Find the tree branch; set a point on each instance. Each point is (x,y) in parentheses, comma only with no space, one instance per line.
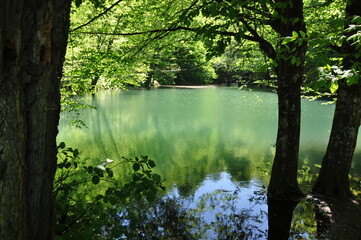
(141,33)
(265,46)
(96,17)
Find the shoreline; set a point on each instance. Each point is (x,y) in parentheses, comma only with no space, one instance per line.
(186,86)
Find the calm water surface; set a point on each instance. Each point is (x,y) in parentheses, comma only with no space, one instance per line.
(213,146)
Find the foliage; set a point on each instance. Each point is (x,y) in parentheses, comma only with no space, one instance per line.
(183,63)
(121,48)
(194,67)
(88,198)
(324,25)
(243,63)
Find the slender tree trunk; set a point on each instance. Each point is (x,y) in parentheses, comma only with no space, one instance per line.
(33,42)
(290,70)
(333,179)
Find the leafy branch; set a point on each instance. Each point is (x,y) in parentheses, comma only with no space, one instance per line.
(96,17)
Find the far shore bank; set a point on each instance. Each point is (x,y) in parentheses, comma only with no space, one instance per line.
(187,86)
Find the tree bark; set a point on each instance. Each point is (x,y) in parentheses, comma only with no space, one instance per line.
(333,180)
(280,215)
(283,183)
(33,42)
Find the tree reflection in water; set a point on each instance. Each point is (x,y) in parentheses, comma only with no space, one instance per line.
(220,214)
(223,214)
(215,215)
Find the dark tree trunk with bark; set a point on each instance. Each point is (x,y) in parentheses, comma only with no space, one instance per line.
(333,179)
(280,215)
(290,71)
(33,37)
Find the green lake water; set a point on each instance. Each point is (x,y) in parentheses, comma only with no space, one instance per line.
(212,143)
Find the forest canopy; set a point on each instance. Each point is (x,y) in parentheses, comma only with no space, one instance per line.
(134,43)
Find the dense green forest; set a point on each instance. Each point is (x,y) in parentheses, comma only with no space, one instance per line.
(54,52)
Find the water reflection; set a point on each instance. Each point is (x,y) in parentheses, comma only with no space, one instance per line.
(220,209)
(214,147)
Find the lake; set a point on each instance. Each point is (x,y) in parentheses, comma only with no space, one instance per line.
(214,147)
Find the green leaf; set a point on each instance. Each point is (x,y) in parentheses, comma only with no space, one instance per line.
(67,165)
(293,60)
(303,34)
(151,163)
(99,171)
(61,145)
(95,179)
(110,173)
(76,152)
(136,166)
(287,40)
(156,178)
(333,87)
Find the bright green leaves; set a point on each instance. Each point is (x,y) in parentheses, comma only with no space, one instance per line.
(331,75)
(298,37)
(333,87)
(193,64)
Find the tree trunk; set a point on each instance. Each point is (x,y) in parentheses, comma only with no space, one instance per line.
(33,42)
(280,215)
(290,70)
(333,179)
